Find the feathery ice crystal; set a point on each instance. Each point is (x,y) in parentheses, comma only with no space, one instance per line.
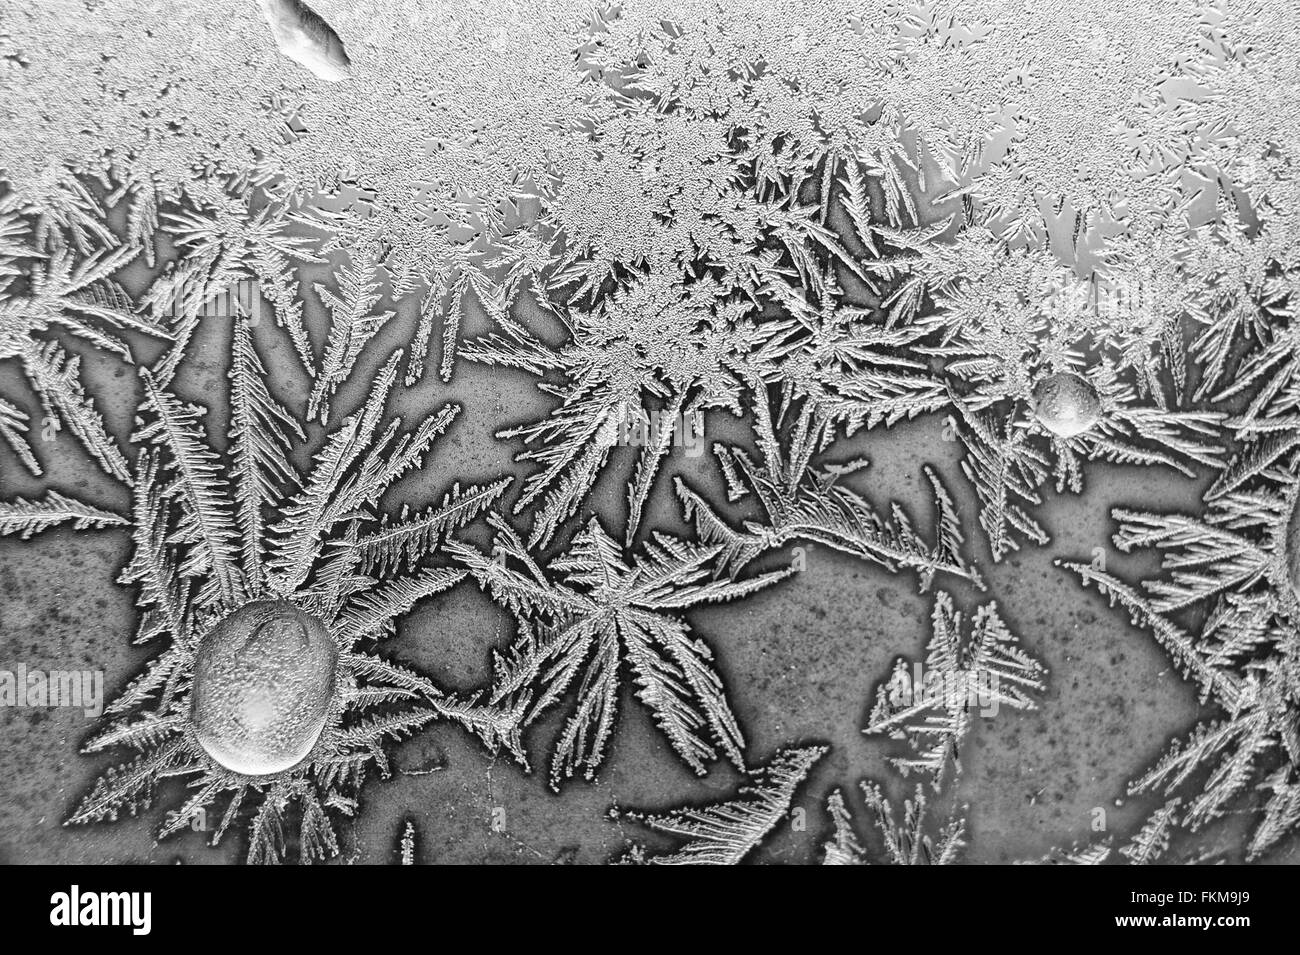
(793,226)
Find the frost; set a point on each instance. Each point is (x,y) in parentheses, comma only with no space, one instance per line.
(906,842)
(204,549)
(724,833)
(1153,840)
(26,518)
(60,289)
(1063,242)
(1147,847)
(804,503)
(1235,561)
(597,614)
(406,847)
(961,675)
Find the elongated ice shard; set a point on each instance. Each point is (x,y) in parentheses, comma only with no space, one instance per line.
(1291,548)
(305,38)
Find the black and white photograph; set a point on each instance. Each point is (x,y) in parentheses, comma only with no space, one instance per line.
(653,432)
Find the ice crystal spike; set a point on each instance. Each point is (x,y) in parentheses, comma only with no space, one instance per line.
(725,833)
(225,246)
(354,324)
(71,292)
(910,841)
(932,707)
(406,847)
(1291,548)
(805,503)
(1153,840)
(1096,854)
(26,518)
(1147,847)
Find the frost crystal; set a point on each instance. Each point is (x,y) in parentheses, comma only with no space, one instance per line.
(960,676)
(303,718)
(906,843)
(724,833)
(1236,561)
(1063,239)
(604,614)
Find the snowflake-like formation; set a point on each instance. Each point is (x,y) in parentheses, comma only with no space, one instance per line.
(1063,235)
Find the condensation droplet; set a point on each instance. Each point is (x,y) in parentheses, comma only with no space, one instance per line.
(1066,404)
(264,679)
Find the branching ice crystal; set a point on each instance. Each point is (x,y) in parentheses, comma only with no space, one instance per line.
(932,705)
(906,842)
(406,847)
(598,614)
(1239,562)
(724,833)
(803,503)
(1147,847)
(222,580)
(53,287)
(1064,234)
(26,518)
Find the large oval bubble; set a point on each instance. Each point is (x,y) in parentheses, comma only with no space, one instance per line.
(263,682)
